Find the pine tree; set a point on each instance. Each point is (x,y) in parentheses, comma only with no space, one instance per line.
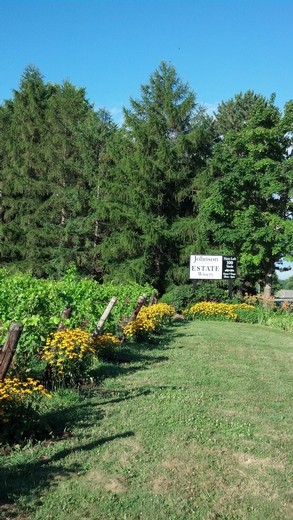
(51,159)
(149,185)
(24,169)
(67,202)
(94,136)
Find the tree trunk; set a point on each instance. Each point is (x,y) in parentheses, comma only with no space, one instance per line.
(267,293)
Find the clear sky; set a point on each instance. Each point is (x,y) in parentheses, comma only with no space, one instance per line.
(110,47)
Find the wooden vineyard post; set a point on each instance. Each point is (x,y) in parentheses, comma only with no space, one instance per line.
(140,302)
(64,316)
(104,316)
(9,348)
(153,299)
(66,313)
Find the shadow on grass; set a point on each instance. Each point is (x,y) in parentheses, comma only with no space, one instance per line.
(30,478)
(117,396)
(61,421)
(25,480)
(112,369)
(131,357)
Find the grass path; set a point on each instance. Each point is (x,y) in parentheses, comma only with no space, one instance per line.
(196,427)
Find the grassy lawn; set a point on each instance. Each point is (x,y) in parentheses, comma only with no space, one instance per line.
(197,426)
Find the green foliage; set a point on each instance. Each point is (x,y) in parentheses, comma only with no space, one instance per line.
(184,295)
(133,203)
(252,316)
(211,292)
(180,297)
(22,422)
(51,146)
(281,320)
(246,204)
(38,304)
(287,284)
(147,194)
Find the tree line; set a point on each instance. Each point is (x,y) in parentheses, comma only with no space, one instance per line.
(133,202)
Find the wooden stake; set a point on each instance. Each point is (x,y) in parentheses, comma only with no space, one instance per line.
(153,299)
(9,348)
(64,316)
(140,302)
(104,316)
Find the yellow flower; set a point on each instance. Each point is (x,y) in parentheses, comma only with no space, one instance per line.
(13,388)
(149,319)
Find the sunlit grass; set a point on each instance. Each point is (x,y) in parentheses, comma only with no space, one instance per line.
(198,425)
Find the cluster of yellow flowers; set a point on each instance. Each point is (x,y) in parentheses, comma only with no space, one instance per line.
(247,306)
(104,339)
(13,388)
(213,310)
(149,319)
(67,345)
(104,344)
(65,350)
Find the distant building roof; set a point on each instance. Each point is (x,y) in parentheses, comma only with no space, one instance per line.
(285,294)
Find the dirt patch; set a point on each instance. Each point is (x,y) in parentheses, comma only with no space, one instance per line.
(116,485)
(258,462)
(96,479)
(162,485)
(183,468)
(132,449)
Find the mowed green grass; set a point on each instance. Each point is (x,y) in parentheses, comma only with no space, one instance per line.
(197,426)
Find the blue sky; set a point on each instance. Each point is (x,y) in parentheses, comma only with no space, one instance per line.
(110,47)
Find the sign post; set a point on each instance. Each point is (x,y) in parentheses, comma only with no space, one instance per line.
(229,271)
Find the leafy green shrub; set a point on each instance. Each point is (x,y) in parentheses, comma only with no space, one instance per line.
(211,292)
(281,320)
(247,315)
(183,296)
(179,297)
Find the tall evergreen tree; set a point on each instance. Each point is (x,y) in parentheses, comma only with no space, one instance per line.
(24,169)
(94,137)
(51,144)
(67,203)
(149,185)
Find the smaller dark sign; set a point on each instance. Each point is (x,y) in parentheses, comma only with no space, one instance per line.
(229,268)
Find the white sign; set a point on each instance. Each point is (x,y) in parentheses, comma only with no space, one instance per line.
(206,267)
